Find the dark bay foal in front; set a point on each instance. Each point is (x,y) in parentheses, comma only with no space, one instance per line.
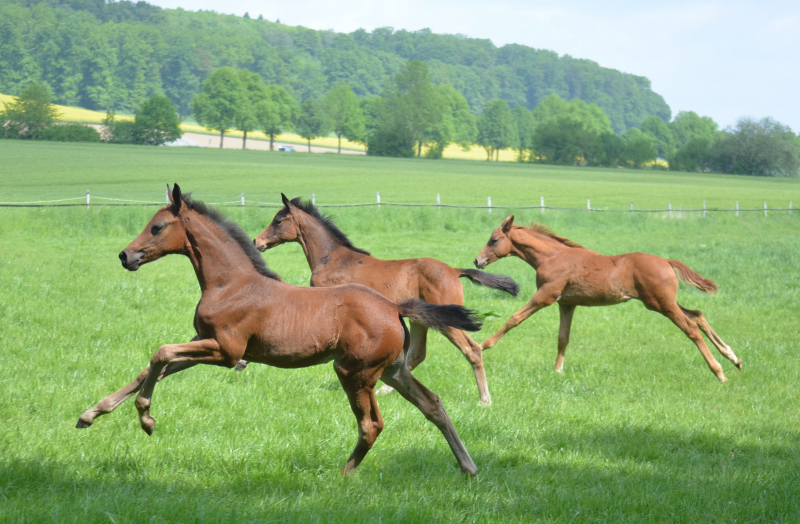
(571,275)
(333,260)
(245,311)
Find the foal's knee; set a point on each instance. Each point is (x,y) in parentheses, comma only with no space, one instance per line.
(162,356)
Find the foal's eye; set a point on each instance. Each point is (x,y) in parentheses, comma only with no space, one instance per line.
(156,229)
(491,242)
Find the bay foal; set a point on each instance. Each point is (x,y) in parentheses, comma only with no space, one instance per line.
(245,311)
(333,260)
(571,275)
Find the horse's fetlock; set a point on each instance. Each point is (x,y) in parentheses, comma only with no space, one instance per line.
(142,404)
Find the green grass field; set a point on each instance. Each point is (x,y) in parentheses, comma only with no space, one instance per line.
(636,429)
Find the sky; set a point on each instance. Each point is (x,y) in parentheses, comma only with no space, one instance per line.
(725,60)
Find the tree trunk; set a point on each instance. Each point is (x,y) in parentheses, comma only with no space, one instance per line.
(419,149)
(244,141)
(221,136)
(340,144)
(271,141)
(497,158)
(309,145)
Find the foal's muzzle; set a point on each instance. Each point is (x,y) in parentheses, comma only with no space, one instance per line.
(131,261)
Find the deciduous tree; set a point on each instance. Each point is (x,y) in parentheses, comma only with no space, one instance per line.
(220,102)
(497,128)
(345,114)
(312,121)
(30,113)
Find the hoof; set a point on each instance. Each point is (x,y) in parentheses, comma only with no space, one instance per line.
(723,379)
(485,403)
(82,424)
(469,472)
(241,365)
(739,364)
(148,426)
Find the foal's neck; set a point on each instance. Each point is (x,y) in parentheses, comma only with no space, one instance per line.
(318,243)
(531,247)
(217,258)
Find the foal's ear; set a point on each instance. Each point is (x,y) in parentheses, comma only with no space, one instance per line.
(285,201)
(175,195)
(507,223)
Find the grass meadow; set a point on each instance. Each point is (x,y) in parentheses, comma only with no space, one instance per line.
(636,429)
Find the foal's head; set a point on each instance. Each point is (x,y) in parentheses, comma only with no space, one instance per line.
(498,246)
(283,228)
(163,235)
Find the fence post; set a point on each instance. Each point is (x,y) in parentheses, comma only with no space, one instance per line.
(631,206)
(670,208)
(489,203)
(588,204)
(704,208)
(313,199)
(242,199)
(737,208)
(541,203)
(790,207)
(87,199)
(765,208)
(378,196)
(438,199)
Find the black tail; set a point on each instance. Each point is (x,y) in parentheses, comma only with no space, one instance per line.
(491,280)
(440,317)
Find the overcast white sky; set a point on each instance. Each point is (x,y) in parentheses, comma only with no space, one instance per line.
(720,59)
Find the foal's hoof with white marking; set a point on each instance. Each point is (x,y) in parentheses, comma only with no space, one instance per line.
(739,364)
(241,365)
(485,403)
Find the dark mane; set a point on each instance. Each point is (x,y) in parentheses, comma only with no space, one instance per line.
(326,221)
(235,231)
(543,229)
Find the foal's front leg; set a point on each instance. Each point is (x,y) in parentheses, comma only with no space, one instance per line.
(207,351)
(544,297)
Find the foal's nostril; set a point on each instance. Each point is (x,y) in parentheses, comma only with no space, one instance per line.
(123,257)
(254,241)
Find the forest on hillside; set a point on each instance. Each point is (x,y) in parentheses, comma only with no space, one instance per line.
(100,55)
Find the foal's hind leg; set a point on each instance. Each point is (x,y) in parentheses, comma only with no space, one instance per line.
(365,408)
(566,313)
(111,402)
(702,323)
(417,351)
(474,354)
(431,406)
(673,312)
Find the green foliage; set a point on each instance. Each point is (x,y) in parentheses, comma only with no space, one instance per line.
(761,148)
(640,148)
(497,128)
(688,126)
(660,132)
(696,155)
(276,113)
(30,114)
(156,122)
(117,54)
(220,102)
(312,121)
(526,126)
(69,133)
(455,123)
(561,141)
(254,93)
(344,113)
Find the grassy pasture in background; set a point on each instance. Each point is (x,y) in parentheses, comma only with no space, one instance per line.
(636,429)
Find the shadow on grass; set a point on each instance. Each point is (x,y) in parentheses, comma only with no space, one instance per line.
(607,474)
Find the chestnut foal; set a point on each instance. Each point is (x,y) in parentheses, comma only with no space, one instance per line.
(571,275)
(333,260)
(245,311)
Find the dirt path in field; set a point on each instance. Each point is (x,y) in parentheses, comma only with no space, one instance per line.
(232,142)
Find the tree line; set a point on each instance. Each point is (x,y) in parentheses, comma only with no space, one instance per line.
(416,117)
(115,55)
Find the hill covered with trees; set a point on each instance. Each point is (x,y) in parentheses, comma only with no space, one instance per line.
(116,55)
